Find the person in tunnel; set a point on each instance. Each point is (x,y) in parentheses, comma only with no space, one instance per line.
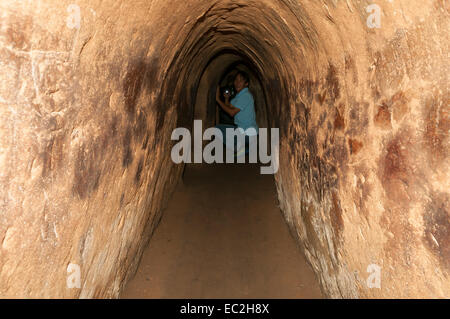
(242,109)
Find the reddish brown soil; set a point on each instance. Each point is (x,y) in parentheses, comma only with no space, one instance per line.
(223,236)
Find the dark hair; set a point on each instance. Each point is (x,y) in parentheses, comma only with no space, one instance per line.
(244,76)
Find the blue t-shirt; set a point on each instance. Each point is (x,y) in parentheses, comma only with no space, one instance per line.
(246,118)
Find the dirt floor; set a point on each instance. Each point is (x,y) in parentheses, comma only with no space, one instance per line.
(223,236)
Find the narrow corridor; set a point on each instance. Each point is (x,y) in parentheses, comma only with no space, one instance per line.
(223,236)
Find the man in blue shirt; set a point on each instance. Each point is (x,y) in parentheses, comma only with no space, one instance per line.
(242,108)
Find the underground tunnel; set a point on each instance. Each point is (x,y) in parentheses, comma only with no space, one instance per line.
(90,92)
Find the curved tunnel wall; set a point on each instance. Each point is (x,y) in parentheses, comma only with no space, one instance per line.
(87,111)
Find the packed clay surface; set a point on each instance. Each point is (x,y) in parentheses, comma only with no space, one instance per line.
(240,248)
(90,92)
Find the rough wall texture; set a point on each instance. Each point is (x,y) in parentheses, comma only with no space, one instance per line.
(86,115)
(85,169)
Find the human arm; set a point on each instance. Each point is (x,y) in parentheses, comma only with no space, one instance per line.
(226,106)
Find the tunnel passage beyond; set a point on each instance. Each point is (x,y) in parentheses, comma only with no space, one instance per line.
(89,98)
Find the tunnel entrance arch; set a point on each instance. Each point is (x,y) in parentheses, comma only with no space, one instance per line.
(218,69)
(255,88)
